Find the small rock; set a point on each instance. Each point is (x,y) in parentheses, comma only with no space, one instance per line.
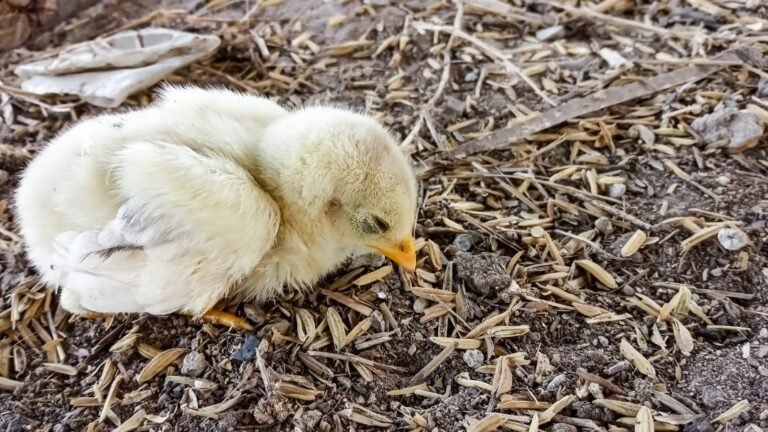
(699,424)
(587,410)
(762,351)
(732,239)
(617,190)
(228,421)
(4,177)
(742,129)
(473,358)
(378,322)
(309,420)
(716,272)
(604,226)
(627,290)
(562,427)
(763,333)
(762,87)
(613,58)
(723,180)
(550,33)
(470,76)
(712,397)
(247,351)
(603,341)
(644,133)
(419,305)
(194,364)
(15,425)
(453,105)
(617,368)
(463,242)
(556,382)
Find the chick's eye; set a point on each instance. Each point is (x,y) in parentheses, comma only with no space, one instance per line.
(375,225)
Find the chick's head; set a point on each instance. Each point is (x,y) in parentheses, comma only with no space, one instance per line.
(354,180)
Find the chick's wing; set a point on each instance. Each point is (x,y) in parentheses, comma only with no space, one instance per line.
(191,225)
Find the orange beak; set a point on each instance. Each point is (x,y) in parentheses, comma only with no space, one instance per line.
(402,253)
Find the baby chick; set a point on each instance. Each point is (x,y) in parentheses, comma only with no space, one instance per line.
(210,194)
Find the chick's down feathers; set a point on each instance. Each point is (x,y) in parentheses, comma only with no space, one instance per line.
(209,193)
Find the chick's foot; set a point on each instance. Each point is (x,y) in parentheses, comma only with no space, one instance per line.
(227,319)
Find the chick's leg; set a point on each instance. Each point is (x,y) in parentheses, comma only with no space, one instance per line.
(227,319)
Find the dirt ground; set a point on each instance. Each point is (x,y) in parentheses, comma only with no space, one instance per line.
(519,238)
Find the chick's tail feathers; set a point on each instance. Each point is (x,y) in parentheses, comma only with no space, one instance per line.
(97,275)
(94,277)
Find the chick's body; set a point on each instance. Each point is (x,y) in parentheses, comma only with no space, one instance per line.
(210,193)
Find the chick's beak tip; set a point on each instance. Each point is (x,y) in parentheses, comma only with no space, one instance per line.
(402,253)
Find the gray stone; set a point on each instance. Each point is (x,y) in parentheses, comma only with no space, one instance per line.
(194,364)
(473,358)
(550,33)
(741,128)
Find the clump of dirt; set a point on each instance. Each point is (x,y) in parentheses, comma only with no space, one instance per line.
(483,273)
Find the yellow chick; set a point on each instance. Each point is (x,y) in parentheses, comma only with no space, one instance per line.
(210,194)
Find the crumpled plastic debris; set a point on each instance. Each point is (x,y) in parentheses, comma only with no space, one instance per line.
(104,72)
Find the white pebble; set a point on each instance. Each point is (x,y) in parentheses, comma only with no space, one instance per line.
(617,190)
(473,358)
(419,305)
(194,364)
(732,239)
(604,226)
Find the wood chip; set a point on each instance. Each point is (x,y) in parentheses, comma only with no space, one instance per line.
(644,420)
(638,360)
(555,408)
(598,272)
(481,328)
(374,276)
(489,423)
(408,390)
(683,337)
(736,410)
(294,391)
(508,331)
(635,242)
(433,364)
(621,407)
(8,384)
(365,416)
(61,368)
(159,363)
(132,423)
(461,343)
(337,328)
(347,301)
(358,331)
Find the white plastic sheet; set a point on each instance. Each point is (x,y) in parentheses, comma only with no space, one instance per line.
(104,72)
